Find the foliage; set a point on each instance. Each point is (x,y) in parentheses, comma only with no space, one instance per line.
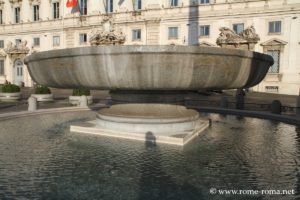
(10,88)
(81,91)
(40,89)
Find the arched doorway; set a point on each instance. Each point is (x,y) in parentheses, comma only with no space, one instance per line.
(18,72)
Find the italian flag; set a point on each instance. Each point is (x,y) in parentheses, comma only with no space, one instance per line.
(71,3)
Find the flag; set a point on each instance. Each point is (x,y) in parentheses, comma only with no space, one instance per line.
(71,3)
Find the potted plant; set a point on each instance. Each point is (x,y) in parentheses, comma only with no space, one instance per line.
(77,93)
(42,94)
(10,92)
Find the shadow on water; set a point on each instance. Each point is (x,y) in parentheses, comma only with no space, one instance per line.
(154,182)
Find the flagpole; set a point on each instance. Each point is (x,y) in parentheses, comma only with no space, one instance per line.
(63,23)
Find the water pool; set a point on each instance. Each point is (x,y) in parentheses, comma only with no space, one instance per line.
(41,159)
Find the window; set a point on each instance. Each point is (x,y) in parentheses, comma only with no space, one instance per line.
(272,89)
(1,67)
(275,27)
(204,30)
(174,2)
(203,1)
(83,7)
(18,41)
(36,13)
(55,10)
(56,40)
(276,56)
(238,28)
(109,6)
(137,4)
(36,42)
(136,34)
(19,71)
(82,38)
(17,15)
(1,44)
(173,32)
(1,17)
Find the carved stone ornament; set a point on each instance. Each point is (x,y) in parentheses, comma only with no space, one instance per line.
(34,2)
(2,4)
(21,48)
(32,51)
(106,36)
(15,2)
(52,1)
(206,44)
(2,53)
(228,38)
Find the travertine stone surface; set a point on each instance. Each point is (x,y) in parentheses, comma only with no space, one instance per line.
(160,119)
(171,124)
(148,68)
(43,97)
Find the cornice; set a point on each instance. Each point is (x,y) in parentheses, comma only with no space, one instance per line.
(34,2)
(120,18)
(2,4)
(14,3)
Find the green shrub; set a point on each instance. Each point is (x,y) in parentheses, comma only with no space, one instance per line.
(40,89)
(10,88)
(81,91)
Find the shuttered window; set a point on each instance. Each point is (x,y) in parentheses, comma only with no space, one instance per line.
(276,56)
(1,67)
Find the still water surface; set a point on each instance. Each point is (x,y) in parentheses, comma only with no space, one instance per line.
(41,159)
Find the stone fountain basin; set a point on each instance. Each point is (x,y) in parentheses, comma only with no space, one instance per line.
(148,68)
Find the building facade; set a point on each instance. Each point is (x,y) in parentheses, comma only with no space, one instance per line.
(40,25)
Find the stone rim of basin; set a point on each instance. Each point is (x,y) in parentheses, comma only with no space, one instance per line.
(126,49)
(148,68)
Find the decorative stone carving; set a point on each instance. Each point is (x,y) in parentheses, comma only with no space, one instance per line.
(2,53)
(21,48)
(245,40)
(32,50)
(52,1)
(15,2)
(106,36)
(2,4)
(206,44)
(34,2)
(274,42)
(250,34)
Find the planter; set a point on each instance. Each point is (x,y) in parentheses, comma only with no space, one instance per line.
(43,97)
(74,100)
(13,96)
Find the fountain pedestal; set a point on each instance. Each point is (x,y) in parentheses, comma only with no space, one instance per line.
(171,124)
(146,76)
(147,96)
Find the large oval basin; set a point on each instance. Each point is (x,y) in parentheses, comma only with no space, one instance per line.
(148,67)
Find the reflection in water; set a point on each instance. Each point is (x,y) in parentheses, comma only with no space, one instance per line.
(157,184)
(49,162)
(150,140)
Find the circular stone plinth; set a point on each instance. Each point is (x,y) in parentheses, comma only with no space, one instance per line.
(143,118)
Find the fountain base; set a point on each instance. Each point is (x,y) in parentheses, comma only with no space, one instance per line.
(157,123)
(146,96)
